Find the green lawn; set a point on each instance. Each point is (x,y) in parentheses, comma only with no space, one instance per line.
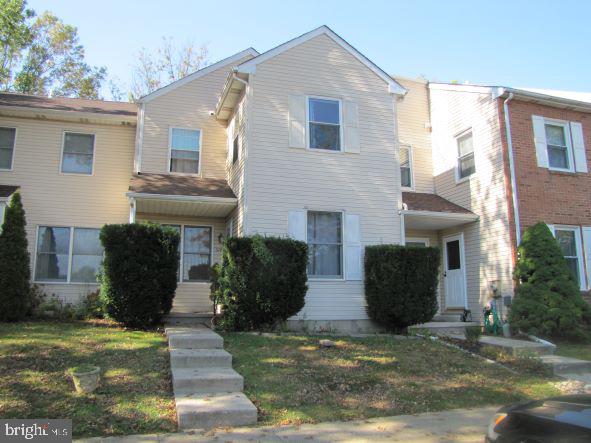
(580,351)
(291,380)
(135,394)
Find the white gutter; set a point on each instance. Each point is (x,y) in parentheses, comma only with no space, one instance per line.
(447,215)
(512,169)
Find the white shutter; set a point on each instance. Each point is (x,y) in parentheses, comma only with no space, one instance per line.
(540,140)
(297,121)
(587,248)
(296,225)
(352,247)
(351,127)
(576,131)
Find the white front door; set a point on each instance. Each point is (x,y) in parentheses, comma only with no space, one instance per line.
(454,271)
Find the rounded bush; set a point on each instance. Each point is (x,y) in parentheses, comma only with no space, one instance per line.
(260,282)
(139,276)
(401,284)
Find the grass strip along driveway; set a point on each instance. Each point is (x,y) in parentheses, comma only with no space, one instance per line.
(292,380)
(134,396)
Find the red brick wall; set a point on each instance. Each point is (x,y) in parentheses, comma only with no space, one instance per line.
(544,195)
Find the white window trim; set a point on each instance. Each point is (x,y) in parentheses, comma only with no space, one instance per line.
(342,213)
(13,148)
(424,240)
(569,144)
(67,281)
(81,174)
(182,248)
(410,163)
(579,247)
(341,149)
(168,163)
(458,157)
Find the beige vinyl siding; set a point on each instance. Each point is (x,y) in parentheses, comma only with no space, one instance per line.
(192,297)
(51,198)
(236,171)
(282,179)
(413,129)
(487,242)
(187,106)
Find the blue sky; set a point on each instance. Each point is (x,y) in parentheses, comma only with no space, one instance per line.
(543,44)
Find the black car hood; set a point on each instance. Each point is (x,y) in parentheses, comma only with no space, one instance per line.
(569,409)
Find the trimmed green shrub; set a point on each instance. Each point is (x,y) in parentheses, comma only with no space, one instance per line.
(401,284)
(547,299)
(473,334)
(15,271)
(139,276)
(260,282)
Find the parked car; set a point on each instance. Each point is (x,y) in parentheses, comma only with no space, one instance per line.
(557,419)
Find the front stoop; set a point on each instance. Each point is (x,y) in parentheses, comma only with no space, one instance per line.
(208,392)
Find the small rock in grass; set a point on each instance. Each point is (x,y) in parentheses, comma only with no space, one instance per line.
(327,344)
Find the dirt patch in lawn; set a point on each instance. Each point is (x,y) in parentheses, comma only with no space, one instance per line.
(292,380)
(135,396)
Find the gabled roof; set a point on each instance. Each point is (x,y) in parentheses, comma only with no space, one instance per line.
(67,104)
(200,73)
(250,66)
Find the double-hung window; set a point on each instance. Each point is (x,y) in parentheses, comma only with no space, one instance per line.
(7,139)
(324,124)
(185,148)
(68,254)
(325,244)
(197,244)
(466,166)
(405,167)
(78,153)
(558,145)
(568,239)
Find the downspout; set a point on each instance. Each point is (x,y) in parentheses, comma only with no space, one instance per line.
(512,169)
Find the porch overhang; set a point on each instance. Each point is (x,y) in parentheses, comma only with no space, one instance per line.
(186,196)
(435,221)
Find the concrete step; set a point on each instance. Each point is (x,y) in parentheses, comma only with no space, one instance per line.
(180,329)
(565,365)
(199,358)
(444,328)
(206,411)
(195,340)
(447,318)
(515,347)
(193,319)
(206,380)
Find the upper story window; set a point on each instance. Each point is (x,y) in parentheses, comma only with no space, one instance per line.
(325,244)
(185,149)
(324,124)
(68,254)
(560,144)
(559,155)
(7,139)
(78,153)
(405,167)
(466,166)
(235,149)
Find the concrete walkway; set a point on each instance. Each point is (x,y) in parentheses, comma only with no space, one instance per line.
(459,425)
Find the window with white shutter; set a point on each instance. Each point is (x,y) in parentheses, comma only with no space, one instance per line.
(559,145)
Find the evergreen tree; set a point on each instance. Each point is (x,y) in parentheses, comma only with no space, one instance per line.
(15,271)
(547,300)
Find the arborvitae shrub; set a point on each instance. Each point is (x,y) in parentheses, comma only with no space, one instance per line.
(547,299)
(139,275)
(401,284)
(15,271)
(260,282)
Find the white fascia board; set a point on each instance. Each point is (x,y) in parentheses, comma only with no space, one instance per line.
(544,99)
(197,74)
(462,88)
(249,67)
(448,215)
(184,198)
